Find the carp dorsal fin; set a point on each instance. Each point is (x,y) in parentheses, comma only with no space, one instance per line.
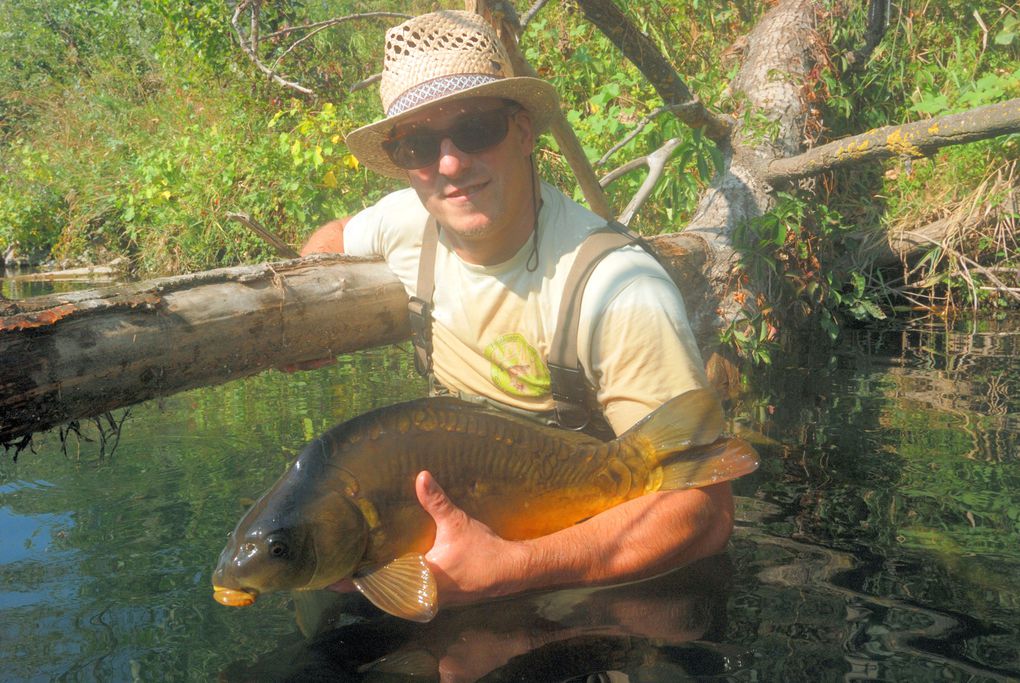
(405,588)
(723,460)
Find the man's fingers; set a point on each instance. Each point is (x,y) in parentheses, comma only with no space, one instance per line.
(432,497)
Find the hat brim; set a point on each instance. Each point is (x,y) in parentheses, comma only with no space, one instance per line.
(538,97)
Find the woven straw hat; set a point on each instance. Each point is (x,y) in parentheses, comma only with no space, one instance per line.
(439,58)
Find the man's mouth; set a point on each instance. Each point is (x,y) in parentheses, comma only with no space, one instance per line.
(464,192)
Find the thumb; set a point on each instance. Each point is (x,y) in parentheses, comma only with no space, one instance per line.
(435,501)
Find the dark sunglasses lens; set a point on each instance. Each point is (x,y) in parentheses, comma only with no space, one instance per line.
(471,133)
(414,151)
(480,131)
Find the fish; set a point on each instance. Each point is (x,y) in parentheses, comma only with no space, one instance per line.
(346,507)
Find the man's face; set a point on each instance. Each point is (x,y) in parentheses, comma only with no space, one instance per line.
(482,199)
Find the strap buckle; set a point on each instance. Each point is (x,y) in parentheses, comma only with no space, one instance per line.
(569,392)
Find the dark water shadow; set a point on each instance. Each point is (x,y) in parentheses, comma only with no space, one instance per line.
(662,628)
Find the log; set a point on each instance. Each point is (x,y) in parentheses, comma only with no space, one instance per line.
(80,354)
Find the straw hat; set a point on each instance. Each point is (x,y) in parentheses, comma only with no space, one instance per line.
(439,58)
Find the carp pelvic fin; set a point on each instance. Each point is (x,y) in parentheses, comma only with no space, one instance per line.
(723,460)
(405,588)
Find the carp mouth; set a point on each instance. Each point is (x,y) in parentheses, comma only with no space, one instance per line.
(232,597)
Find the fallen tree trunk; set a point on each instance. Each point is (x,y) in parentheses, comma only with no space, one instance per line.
(84,353)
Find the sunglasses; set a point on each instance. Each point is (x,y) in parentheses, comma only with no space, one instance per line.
(471,133)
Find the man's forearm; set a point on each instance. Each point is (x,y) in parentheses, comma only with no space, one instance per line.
(327,239)
(641,538)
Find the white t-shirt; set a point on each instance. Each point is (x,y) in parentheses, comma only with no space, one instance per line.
(493,325)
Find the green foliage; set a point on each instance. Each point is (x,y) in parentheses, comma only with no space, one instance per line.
(147,163)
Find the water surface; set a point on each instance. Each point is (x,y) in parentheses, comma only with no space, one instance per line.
(879,540)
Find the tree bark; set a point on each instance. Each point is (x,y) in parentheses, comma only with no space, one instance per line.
(915,140)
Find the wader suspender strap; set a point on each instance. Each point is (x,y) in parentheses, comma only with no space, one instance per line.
(420,306)
(566,376)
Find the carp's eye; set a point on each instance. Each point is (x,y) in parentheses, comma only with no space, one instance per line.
(277,548)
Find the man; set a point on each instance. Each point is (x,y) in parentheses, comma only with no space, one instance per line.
(461,131)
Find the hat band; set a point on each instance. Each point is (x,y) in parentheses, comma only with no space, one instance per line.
(436,88)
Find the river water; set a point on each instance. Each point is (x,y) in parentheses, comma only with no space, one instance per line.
(880,539)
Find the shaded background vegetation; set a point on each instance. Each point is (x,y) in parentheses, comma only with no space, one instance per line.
(133,128)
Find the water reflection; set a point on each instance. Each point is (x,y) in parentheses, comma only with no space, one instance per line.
(557,636)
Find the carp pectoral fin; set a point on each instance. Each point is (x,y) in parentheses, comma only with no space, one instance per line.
(723,460)
(405,588)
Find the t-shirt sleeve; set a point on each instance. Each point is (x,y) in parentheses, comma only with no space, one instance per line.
(390,228)
(641,350)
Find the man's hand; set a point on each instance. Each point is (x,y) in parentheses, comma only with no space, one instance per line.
(470,562)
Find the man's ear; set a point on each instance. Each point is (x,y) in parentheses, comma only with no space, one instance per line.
(521,122)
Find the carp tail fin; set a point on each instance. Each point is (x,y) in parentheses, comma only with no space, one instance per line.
(694,418)
(404,587)
(723,460)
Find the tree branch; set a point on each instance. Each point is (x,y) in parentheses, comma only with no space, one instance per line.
(918,139)
(504,20)
(250,44)
(656,163)
(640,50)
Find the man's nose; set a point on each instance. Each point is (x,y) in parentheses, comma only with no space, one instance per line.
(452,160)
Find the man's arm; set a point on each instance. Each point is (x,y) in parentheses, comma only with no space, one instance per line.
(327,239)
(638,539)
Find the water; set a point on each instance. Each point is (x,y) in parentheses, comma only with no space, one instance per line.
(879,540)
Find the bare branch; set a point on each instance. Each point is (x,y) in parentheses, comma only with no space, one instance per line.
(282,248)
(532,11)
(250,48)
(656,162)
(671,108)
(918,139)
(250,45)
(964,261)
(319,25)
(637,47)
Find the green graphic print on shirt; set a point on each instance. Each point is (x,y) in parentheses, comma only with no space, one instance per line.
(517,368)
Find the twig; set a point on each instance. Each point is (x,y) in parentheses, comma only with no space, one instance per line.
(250,49)
(532,11)
(250,46)
(1000,286)
(669,108)
(281,247)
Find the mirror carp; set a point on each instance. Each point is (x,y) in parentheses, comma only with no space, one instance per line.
(346,507)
